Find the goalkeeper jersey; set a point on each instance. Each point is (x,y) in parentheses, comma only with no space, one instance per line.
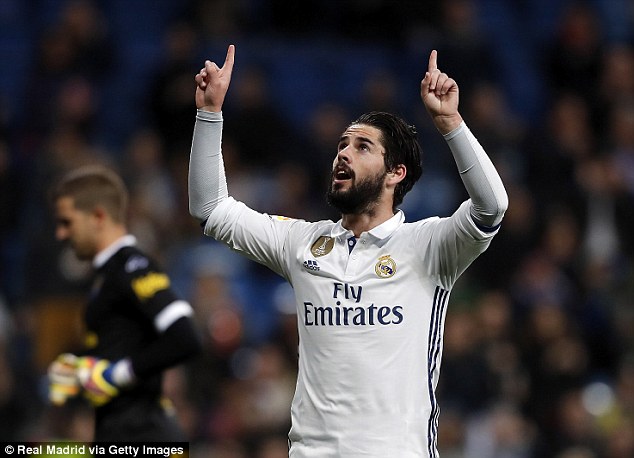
(131,304)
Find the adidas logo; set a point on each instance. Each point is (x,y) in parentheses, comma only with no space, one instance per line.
(311,265)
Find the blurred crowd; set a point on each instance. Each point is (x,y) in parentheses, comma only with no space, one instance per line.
(539,344)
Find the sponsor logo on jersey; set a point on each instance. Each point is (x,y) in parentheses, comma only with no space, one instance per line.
(148,285)
(354,314)
(386,267)
(322,246)
(341,315)
(280,218)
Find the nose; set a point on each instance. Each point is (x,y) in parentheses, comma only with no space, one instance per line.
(344,155)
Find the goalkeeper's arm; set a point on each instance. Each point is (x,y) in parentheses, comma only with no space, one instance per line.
(102,379)
(177,343)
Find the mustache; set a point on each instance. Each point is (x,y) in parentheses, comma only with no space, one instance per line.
(342,166)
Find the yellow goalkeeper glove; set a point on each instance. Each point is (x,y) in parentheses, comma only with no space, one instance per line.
(95,377)
(62,379)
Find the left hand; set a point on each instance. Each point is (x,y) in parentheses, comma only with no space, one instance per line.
(440,96)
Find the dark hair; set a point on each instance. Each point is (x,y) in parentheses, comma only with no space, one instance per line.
(401,147)
(92,186)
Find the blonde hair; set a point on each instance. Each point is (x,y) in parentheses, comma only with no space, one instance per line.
(94,186)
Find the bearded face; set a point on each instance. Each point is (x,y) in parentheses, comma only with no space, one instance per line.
(350,196)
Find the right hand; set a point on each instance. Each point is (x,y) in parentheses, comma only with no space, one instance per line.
(212,83)
(63,382)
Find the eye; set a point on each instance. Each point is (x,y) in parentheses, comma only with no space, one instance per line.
(364,147)
(341,146)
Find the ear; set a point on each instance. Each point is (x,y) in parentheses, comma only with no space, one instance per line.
(100,213)
(396,175)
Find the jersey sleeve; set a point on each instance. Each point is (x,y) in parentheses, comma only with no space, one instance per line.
(151,290)
(259,236)
(488,197)
(449,245)
(169,316)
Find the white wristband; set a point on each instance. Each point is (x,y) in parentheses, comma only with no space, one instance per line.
(123,374)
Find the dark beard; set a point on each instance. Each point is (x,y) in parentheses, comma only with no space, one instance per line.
(360,198)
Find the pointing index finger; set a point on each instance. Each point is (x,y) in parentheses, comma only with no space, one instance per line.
(433,65)
(231,52)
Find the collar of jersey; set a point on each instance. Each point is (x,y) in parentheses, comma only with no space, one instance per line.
(379,232)
(105,254)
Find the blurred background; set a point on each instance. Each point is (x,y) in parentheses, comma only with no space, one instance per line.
(539,344)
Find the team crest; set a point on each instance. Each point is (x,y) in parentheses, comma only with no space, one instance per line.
(386,267)
(136,263)
(322,246)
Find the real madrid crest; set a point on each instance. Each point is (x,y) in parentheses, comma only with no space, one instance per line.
(322,246)
(386,267)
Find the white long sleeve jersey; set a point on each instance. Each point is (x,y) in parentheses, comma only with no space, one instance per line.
(370,317)
(370,323)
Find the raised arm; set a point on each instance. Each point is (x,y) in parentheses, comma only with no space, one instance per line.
(439,94)
(207,184)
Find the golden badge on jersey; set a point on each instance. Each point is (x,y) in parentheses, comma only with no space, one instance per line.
(322,246)
(386,267)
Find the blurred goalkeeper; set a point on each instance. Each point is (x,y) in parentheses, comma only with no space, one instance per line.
(136,325)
